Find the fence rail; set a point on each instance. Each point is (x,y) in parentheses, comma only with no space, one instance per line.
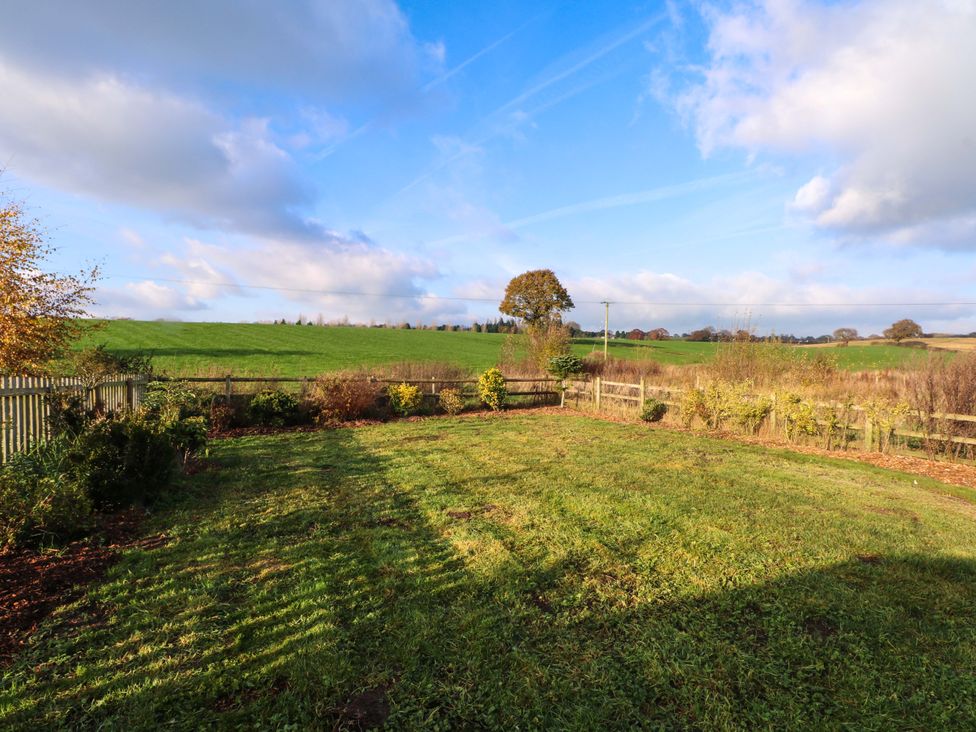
(25,406)
(596,392)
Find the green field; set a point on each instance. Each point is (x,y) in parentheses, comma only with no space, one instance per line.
(290,350)
(523,572)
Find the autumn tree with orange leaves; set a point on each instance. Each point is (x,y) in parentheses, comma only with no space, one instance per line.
(39,312)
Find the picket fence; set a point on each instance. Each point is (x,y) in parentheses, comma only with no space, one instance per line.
(24,406)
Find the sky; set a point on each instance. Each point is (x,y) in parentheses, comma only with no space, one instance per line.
(787,166)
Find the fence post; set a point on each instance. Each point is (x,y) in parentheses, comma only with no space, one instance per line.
(228,387)
(640,404)
(868,433)
(433,386)
(596,392)
(562,393)
(130,395)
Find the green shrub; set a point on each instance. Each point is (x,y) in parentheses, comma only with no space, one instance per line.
(273,408)
(67,413)
(123,461)
(167,401)
(451,401)
(653,410)
(39,502)
(187,436)
(405,398)
(564,366)
(492,389)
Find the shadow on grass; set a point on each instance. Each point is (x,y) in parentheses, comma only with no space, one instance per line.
(317,592)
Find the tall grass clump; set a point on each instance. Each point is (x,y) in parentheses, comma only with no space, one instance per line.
(943,386)
(772,363)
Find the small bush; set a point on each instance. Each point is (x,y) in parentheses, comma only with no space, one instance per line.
(223,415)
(38,504)
(167,401)
(564,366)
(405,399)
(123,461)
(67,414)
(451,401)
(187,436)
(273,408)
(492,389)
(336,399)
(653,410)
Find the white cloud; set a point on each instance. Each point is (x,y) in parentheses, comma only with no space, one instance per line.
(342,277)
(144,299)
(881,87)
(317,50)
(744,298)
(104,137)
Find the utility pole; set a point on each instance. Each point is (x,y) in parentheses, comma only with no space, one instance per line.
(606,327)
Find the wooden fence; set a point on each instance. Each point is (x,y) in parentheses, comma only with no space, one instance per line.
(430,388)
(24,407)
(598,392)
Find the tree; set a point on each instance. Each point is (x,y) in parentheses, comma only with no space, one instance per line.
(658,334)
(39,312)
(903,329)
(845,335)
(537,297)
(636,335)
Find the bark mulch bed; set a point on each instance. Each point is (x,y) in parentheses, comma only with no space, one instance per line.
(33,583)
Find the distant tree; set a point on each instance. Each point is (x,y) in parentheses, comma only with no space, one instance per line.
(658,334)
(635,335)
(903,329)
(845,335)
(536,297)
(39,312)
(575,329)
(702,334)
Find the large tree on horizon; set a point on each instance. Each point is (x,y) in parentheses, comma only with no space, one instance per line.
(536,297)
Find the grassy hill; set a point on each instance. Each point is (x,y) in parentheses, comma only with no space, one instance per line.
(291,350)
(522,572)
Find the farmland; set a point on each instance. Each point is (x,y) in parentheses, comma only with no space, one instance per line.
(524,571)
(289,350)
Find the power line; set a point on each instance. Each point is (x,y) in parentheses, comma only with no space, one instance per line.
(650,303)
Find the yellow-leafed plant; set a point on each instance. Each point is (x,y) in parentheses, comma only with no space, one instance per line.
(405,399)
(492,389)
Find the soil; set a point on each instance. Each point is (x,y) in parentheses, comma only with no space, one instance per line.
(366,710)
(34,582)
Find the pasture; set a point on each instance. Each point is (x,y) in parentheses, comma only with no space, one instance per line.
(522,571)
(289,350)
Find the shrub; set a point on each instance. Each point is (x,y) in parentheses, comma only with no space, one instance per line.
(187,436)
(492,389)
(223,415)
(167,401)
(564,366)
(799,416)
(273,408)
(653,410)
(336,399)
(123,461)
(38,504)
(545,342)
(67,413)
(451,401)
(405,398)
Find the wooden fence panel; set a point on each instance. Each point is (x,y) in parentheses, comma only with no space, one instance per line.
(24,407)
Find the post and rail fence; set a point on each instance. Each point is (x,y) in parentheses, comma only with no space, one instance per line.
(25,411)
(598,391)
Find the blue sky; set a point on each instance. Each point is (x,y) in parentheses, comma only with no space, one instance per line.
(693,163)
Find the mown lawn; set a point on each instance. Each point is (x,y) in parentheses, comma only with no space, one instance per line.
(523,572)
(290,350)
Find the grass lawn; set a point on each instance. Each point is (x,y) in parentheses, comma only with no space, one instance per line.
(290,350)
(523,572)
